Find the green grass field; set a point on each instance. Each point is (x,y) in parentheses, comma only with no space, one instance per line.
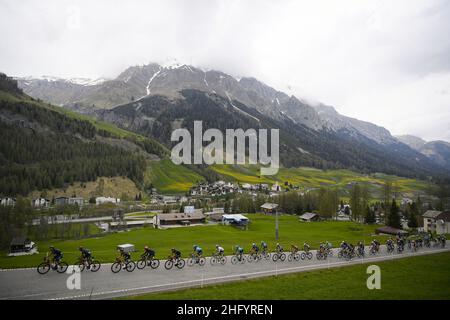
(169,178)
(261,228)
(422,278)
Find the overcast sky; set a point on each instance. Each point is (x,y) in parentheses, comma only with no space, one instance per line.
(387,62)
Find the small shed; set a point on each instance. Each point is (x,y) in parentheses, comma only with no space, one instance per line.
(126,247)
(309,216)
(237,219)
(269,208)
(21,244)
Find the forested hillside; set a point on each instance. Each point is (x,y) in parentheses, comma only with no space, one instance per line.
(41,148)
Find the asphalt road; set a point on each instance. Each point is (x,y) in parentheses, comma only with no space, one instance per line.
(28,284)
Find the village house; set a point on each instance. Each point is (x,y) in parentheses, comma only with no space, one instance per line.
(102,200)
(61,201)
(76,200)
(269,208)
(436,221)
(276,187)
(7,201)
(309,216)
(178,219)
(40,203)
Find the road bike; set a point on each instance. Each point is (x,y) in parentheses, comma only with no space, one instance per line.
(265,254)
(218,258)
(195,259)
(147,261)
(293,256)
(278,256)
(58,266)
(321,255)
(121,264)
(238,258)
(88,264)
(174,261)
(254,257)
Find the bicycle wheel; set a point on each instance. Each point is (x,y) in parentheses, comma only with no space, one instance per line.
(296,257)
(290,257)
(191,262)
(62,267)
(130,266)
(309,255)
(234,260)
(116,267)
(95,265)
(223,260)
(213,261)
(142,263)
(202,261)
(154,264)
(250,258)
(43,268)
(168,265)
(275,257)
(81,266)
(283,257)
(180,264)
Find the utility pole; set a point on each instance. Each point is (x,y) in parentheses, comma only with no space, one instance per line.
(276,224)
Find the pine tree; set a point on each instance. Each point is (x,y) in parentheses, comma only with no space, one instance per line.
(394,216)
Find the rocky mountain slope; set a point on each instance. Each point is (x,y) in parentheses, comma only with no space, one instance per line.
(348,141)
(438,151)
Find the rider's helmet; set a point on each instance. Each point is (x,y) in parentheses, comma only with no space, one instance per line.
(51,247)
(254,244)
(236,246)
(195,246)
(217,246)
(146,247)
(80,248)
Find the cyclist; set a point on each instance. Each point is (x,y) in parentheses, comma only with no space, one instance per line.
(255,248)
(279,248)
(86,254)
(264,246)
(148,253)
(125,256)
(361,248)
(238,251)
(306,247)
(176,254)
(219,250)
(197,251)
(56,254)
(294,249)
